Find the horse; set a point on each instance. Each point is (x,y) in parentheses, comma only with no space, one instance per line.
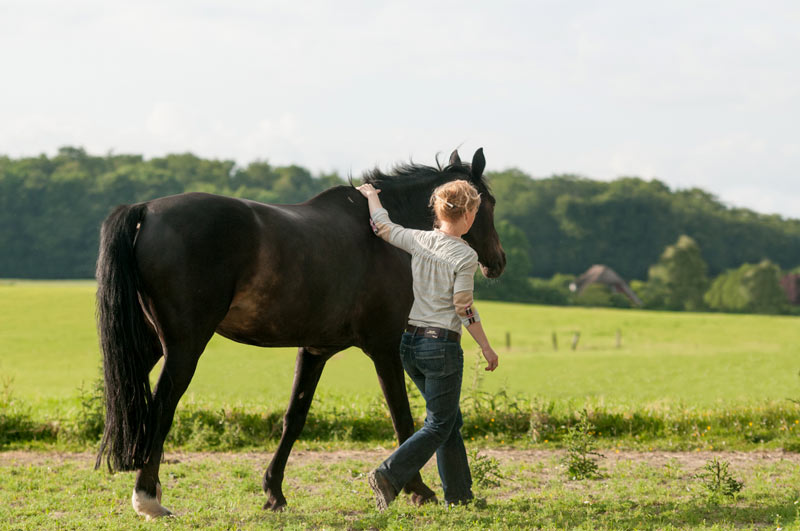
(174,271)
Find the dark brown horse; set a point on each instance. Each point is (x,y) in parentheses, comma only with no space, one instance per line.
(175,270)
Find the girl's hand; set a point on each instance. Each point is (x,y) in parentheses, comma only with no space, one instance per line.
(368,190)
(491,358)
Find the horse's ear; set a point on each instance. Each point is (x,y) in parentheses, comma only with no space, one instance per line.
(478,164)
(455,160)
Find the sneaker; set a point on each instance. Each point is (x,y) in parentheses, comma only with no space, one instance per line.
(383,489)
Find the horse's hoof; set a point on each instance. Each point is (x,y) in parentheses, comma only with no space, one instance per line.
(275,505)
(419,499)
(149,506)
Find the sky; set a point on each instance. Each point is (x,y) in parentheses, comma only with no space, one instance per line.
(693,93)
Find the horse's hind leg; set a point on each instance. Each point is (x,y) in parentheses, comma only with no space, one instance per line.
(180,362)
(308,369)
(392,379)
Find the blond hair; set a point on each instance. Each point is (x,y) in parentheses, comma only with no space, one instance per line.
(453,199)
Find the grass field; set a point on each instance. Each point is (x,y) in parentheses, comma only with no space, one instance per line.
(678,380)
(329,491)
(48,348)
(706,383)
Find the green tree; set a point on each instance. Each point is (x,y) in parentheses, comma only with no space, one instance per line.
(51,208)
(681,271)
(750,288)
(513,285)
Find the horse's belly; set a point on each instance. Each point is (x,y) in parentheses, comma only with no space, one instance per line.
(264,338)
(258,321)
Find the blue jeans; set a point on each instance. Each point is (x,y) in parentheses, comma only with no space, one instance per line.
(436,367)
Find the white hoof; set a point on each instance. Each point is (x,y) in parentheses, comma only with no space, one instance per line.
(147,506)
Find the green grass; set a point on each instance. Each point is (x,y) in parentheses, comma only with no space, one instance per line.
(48,347)
(223,492)
(678,381)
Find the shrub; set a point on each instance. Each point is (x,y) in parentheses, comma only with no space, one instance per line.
(485,470)
(581,458)
(718,481)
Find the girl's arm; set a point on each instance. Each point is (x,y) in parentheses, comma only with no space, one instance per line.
(390,232)
(462,300)
(477,333)
(371,193)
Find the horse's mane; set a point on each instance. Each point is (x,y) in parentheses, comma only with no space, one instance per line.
(410,175)
(407,186)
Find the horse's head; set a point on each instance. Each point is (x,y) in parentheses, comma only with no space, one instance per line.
(407,190)
(482,236)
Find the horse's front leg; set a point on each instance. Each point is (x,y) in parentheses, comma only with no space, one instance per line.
(310,363)
(392,379)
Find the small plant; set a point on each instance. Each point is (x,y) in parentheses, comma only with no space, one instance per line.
(485,470)
(718,481)
(6,390)
(87,425)
(581,458)
(15,417)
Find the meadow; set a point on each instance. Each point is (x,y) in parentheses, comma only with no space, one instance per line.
(329,491)
(669,380)
(680,389)
(48,349)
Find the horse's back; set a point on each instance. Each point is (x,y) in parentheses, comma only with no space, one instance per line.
(271,275)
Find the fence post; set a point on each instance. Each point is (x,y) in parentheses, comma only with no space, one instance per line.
(575,338)
(508,340)
(555,341)
(619,338)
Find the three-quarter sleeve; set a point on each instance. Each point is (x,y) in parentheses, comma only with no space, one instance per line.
(462,293)
(392,232)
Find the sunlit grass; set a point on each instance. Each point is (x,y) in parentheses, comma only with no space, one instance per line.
(223,492)
(48,348)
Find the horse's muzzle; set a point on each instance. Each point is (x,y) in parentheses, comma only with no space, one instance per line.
(496,268)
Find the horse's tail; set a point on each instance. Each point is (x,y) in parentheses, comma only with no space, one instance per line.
(126,340)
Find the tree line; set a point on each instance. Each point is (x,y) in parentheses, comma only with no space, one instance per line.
(680,250)
(552,228)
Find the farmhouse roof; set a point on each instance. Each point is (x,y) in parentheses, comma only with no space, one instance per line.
(602,274)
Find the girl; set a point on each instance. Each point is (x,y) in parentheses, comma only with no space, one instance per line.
(442,267)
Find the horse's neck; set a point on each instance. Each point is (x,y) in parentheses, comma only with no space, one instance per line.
(409,214)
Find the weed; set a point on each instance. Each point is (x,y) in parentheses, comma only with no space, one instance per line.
(540,423)
(793,445)
(6,390)
(581,458)
(485,470)
(87,425)
(718,481)
(16,423)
